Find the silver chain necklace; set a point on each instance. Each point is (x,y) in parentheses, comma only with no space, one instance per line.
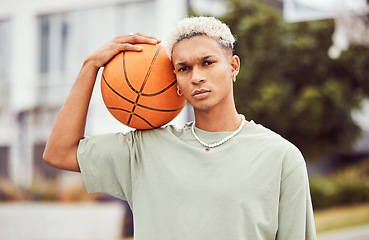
(212,145)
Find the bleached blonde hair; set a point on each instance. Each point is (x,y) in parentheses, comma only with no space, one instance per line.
(195,26)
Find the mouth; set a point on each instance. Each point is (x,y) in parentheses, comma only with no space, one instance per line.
(200,93)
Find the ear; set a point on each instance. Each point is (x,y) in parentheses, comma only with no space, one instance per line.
(235,65)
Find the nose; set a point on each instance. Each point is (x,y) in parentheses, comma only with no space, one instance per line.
(197,76)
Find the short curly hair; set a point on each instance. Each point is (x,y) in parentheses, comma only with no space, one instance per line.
(195,26)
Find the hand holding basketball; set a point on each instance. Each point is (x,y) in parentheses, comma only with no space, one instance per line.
(102,55)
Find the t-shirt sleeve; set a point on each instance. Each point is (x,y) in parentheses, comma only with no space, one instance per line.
(108,164)
(295,220)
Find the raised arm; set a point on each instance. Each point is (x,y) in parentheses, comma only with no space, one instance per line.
(69,127)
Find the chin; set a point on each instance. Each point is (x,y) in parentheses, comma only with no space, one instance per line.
(201,107)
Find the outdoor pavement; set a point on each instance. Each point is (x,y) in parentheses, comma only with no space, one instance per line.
(49,221)
(354,233)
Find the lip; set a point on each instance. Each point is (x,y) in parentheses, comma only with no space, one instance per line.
(200,93)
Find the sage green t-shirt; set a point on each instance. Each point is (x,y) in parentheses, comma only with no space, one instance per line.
(253,187)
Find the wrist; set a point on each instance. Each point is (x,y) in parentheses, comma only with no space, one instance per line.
(90,63)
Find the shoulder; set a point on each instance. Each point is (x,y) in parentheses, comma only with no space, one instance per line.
(133,138)
(107,142)
(266,136)
(167,130)
(157,135)
(276,145)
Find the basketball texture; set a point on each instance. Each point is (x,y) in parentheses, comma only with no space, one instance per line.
(140,89)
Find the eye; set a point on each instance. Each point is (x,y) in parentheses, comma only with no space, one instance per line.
(207,63)
(182,69)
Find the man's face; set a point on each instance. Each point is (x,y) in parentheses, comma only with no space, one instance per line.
(204,72)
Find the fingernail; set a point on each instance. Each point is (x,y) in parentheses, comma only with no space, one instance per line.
(139,47)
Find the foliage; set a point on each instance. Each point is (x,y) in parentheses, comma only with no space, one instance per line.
(44,190)
(346,187)
(288,83)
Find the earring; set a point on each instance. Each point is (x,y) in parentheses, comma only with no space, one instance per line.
(234,77)
(179,91)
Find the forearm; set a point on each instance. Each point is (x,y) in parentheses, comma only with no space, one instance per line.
(70,123)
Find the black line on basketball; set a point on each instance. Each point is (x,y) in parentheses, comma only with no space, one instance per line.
(144,120)
(131,113)
(135,90)
(126,75)
(150,69)
(124,110)
(147,75)
(161,91)
(160,110)
(120,109)
(130,101)
(144,82)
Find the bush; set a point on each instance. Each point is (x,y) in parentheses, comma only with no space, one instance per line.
(346,187)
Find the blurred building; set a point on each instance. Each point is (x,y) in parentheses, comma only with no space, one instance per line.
(209,7)
(42,47)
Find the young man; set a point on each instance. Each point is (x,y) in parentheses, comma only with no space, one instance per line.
(220,177)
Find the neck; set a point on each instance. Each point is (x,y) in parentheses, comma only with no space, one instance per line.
(217,121)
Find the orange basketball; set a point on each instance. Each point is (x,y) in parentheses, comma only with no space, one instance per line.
(140,89)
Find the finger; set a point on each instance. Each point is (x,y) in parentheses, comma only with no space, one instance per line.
(128,47)
(147,36)
(137,38)
(117,48)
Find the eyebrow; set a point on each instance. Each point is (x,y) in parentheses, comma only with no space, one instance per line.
(201,59)
(206,57)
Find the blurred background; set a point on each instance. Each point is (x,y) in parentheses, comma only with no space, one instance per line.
(304,74)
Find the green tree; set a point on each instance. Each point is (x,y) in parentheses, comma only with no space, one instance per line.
(288,83)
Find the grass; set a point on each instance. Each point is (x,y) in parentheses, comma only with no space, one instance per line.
(341,217)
